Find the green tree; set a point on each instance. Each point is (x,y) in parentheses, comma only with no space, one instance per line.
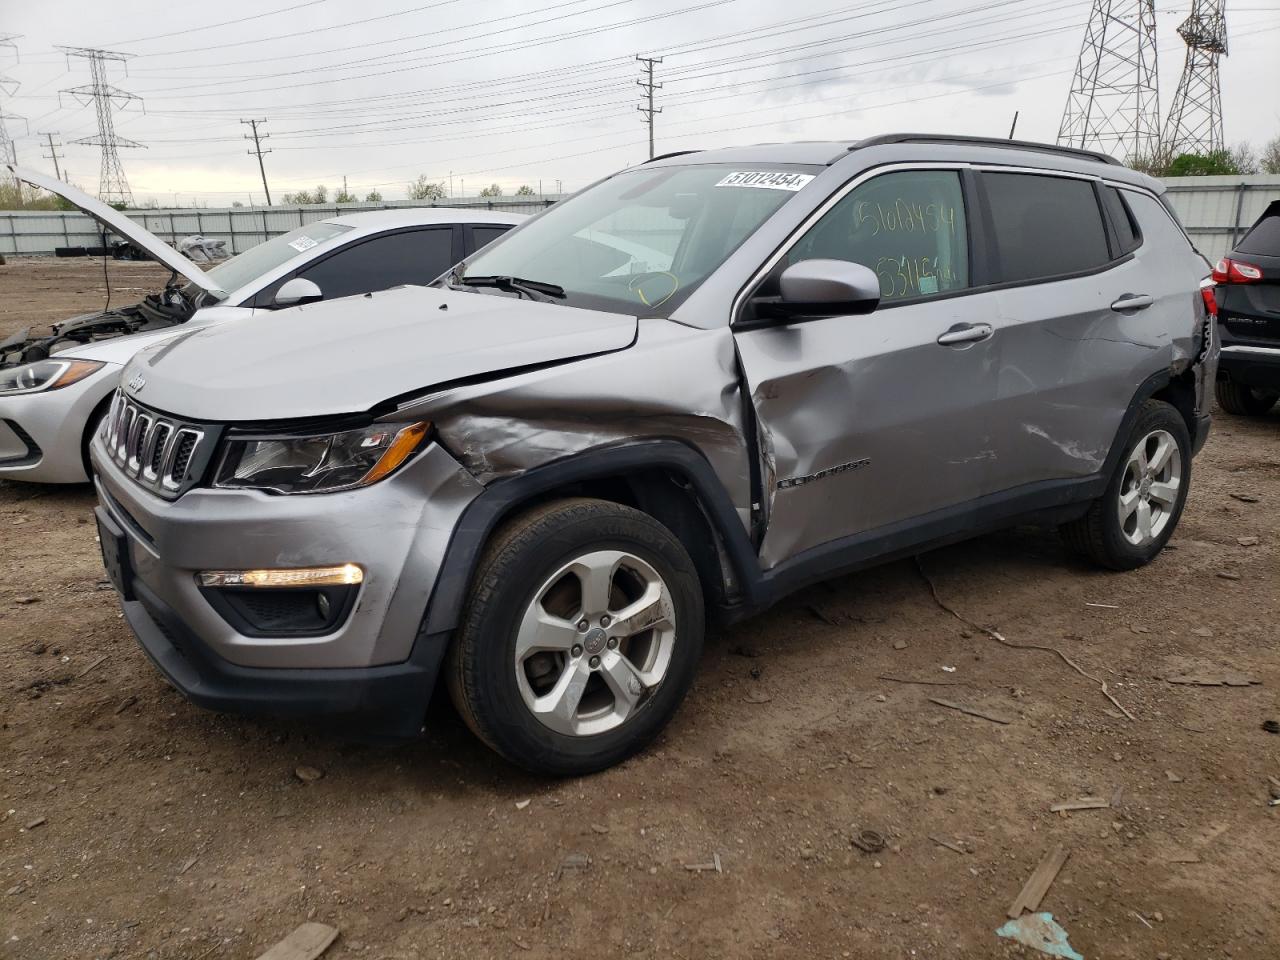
(492,190)
(1213,164)
(344,196)
(424,189)
(374,197)
(525,191)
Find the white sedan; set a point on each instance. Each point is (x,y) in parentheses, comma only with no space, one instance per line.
(55,386)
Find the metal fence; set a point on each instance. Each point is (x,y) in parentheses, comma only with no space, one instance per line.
(35,232)
(1215,210)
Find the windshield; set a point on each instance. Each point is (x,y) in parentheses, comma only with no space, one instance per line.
(244,268)
(642,241)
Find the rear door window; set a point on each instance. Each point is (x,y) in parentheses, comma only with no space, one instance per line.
(391,260)
(909,227)
(1044,226)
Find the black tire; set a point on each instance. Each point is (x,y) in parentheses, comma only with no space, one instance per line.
(480,671)
(1241,400)
(1098,535)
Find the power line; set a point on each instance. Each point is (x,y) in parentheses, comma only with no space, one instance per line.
(214,26)
(257,149)
(648,86)
(113,186)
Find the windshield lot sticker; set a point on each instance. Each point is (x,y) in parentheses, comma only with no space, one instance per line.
(302,244)
(765,180)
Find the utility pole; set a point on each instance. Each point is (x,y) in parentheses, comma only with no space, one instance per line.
(257,139)
(113,186)
(648,86)
(53,154)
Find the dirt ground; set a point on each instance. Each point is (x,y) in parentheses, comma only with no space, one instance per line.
(135,825)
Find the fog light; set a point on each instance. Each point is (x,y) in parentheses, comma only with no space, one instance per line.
(346,574)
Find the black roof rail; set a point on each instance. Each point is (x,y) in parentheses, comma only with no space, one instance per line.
(667,156)
(1050,148)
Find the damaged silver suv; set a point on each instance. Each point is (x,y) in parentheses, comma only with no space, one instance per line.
(670,399)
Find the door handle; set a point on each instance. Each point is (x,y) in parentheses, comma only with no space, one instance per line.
(1133,301)
(966,333)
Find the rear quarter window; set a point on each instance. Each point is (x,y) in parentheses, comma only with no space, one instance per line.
(1045,226)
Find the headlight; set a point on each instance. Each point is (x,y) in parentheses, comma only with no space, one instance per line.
(45,375)
(319,464)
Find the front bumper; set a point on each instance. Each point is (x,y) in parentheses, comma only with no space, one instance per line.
(374,662)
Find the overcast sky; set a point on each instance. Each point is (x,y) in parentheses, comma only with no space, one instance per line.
(516,93)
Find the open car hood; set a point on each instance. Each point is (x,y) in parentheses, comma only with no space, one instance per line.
(132,231)
(350,355)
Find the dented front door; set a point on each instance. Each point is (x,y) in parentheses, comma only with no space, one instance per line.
(876,420)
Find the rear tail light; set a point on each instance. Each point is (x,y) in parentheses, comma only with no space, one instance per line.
(1207,293)
(1234,271)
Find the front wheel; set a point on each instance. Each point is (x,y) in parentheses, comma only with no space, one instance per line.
(1241,400)
(1132,521)
(580,638)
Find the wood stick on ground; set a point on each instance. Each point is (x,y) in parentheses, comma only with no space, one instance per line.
(1039,882)
(928,683)
(995,635)
(948,844)
(85,672)
(994,718)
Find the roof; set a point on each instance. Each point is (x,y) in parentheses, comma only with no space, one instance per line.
(422,216)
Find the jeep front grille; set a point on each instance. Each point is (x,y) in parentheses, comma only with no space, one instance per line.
(160,453)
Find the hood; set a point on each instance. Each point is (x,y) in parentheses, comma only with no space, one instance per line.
(110,217)
(348,355)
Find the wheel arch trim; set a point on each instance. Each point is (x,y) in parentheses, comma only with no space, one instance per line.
(501,499)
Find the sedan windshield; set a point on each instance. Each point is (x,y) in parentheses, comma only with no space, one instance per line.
(639,242)
(244,268)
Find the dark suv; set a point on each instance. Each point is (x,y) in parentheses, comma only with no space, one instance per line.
(1248,300)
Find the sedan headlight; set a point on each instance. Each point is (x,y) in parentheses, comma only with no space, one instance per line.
(319,463)
(45,375)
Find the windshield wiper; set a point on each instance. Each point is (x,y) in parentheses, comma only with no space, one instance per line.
(533,289)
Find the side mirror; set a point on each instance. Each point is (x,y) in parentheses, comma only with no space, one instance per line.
(812,289)
(297,291)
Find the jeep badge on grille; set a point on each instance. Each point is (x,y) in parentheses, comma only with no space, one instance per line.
(137,382)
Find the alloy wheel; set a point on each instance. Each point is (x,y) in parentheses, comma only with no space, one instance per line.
(1149,490)
(594,643)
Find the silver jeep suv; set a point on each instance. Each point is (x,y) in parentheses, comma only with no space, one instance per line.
(671,399)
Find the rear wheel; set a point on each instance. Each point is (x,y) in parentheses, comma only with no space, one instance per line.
(580,639)
(1243,401)
(1133,520)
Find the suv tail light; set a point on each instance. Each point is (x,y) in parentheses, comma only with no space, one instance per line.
(1207,293)
(1234,271)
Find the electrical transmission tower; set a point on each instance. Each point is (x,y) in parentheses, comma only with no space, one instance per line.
(648,86)
(1194,124)
(8,86)
(257,139)
(113,186)
(1114,104)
